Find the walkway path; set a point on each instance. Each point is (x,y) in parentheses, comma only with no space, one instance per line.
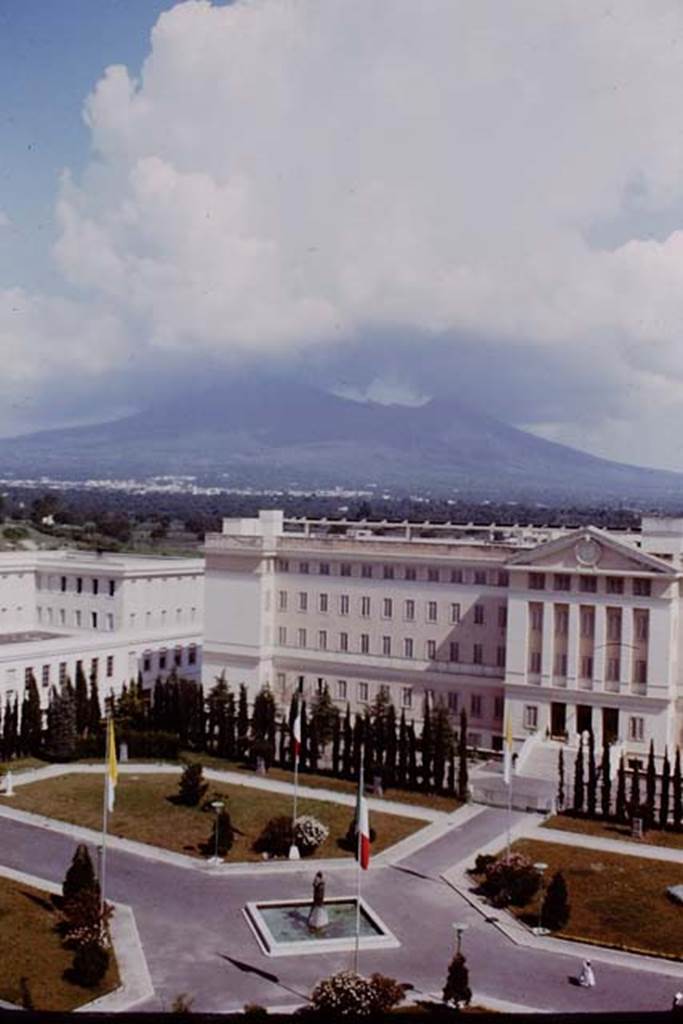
(197,941)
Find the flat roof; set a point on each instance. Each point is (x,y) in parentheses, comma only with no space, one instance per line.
(30,636)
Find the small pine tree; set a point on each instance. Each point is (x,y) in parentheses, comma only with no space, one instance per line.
(463,773)
(592,787)
(80,874)
(427,745)
(664,796)
(82,700)
(242,722)
(620,809)
(412,756)
(336,745)
(443,744)
(222,835)
(61,738)
(402,750)
(634,806)
(555,910)
(560,780)
(606,792)
(347,759)
(678,792)
(578,779)
(94,709)
(34,721)
(457,991)
(192,787)
(390,746)
(451,772)
(651,787)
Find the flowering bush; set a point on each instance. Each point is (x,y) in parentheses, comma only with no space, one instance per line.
(347,994)
(511,880)
(309,833)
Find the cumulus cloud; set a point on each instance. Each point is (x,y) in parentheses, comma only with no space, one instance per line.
(290,176)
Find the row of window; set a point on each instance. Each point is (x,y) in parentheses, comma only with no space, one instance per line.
(388,648)
(94,664)
(612,667)
(428,574)
(636,723)
(588,584)
(97,620)
(76,584)
(387,605)
(614,620)
(163,658)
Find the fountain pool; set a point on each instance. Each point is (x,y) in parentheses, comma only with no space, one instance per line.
(281,927)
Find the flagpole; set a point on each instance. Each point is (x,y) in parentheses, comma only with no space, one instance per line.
(105,808)
(358,866)
(296,740)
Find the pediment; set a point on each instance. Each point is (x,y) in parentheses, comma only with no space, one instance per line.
(590,548)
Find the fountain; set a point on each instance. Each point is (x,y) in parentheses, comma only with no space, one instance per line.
(293,927)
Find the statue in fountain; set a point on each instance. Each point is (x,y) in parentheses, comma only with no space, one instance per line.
(318,917)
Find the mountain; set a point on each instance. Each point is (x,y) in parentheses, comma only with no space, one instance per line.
(267,432)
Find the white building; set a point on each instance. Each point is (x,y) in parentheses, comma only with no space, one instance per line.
(118,615)
(563,630)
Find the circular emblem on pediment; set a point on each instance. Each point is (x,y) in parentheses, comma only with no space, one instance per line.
(587,551)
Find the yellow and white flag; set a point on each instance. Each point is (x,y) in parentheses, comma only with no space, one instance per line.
(112,766)
(507,752)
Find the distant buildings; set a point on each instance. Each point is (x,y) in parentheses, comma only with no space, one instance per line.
(565,631)
(116,615)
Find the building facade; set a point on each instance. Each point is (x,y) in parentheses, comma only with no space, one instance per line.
(562,630)
(116,615)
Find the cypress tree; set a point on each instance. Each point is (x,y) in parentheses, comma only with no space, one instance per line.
(94,710)
(336,745)
(606,794)
(62,724)
(560,780)
(313,744)
(158,704)
(82,701)
(555,910)
(403,750)
(34,717)
(463,772)
(664,796)
(443,744)
(579,794)
(282,745)
(651,787)
(412,756)
(23,744)
(678,792)
(457,988)
(80,874)
(358,740)
(390,749)
(305,736)
(451,771)
(620,809)
(370,760)
(635,791)
(242,721)
(347,759)
(592,789)
(427,745)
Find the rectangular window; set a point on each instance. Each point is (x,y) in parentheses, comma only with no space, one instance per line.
(479,615)
(614,624)
(475,705)
(366,572)
(178,656)
(430,650)
(457,576)
(28,676)
(192,655)
(386,646)
(388,572)
(62,672)
(478,654)
(146,663)
(452,701)
(343,604)
(561,665)
(588,584)
(454,651)
(93,620)
(455,613)
(562,581)
(341,689)
(480,577)
(320,685)
(365,607)
(45,675)
(587,622)
(502,616)
(408,647)
(323,603)
(162,659)
(62,616)
(362,692)
(94,663)
(561,619)
(641,671)
(387,608)
(433,575)
(365,643)
(613,670)
(282,635)
(586,667)
(281,565)
(95,585)
(303,601)
(640,623)
(112,587)
(302,637)
(500,657)
(409,610)
(535,662)
(498,707)
(411,573)
(431,611)
(78,617)
(324,568)
(281,682)
(636,729)
(344,642)
(282,600)
(536,617)
(530,716)
(110,622)
(345,569)
(303,567)
(322,639)
(110,666)
(615,585)
(536,581)
(641,588)
(62,584)
(407,697)
(503,578)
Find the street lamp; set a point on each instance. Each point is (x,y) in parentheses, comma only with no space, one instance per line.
(540,930)
(459,927)
(217,806)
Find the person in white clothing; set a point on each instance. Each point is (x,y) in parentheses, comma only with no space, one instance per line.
(587,977)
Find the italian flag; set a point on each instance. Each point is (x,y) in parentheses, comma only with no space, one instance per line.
(363,826)
(296,731)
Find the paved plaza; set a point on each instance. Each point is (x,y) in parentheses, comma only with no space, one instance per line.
(196,939)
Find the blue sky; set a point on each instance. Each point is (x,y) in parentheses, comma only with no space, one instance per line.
(397,199)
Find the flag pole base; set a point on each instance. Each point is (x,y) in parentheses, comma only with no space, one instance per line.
(294,852)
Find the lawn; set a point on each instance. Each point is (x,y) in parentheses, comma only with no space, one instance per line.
(145,811)
(32,949)
(613,830)
(616,899)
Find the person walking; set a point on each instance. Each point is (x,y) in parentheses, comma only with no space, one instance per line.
(587,975)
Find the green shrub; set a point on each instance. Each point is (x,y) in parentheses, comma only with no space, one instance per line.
(80,874)
(222,828)
(90,965)
(514,880)
(191,787)
(556,908)
(482,862)
(276,837)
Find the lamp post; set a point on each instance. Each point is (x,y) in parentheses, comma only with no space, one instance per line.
(541,867)
(459,927)
(217,806)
